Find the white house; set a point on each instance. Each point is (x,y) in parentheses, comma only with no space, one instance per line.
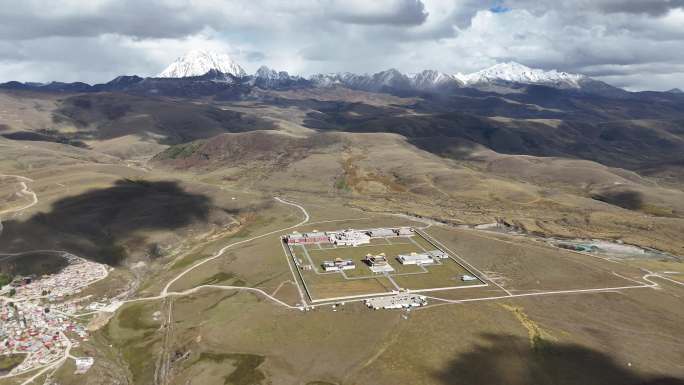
(381,233)
(83,364)
(338,264)
(378,263)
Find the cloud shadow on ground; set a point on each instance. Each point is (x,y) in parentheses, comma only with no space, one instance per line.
(509,360)
(96,223)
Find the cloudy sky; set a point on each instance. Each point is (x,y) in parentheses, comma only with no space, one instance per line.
(637,44)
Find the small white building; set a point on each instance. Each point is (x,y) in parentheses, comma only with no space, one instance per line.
(415,259)
(381,233)
(83,364)
(338,265)
(467,278)
(378,263)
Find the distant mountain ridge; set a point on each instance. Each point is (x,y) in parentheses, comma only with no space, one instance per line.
(271,79)
(389,80)
(502,79)
(203,73)
(517,73)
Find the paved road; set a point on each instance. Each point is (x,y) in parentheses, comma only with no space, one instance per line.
(651,284)
(647,277)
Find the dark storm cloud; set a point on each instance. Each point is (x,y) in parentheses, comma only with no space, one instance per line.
(575,8)
(173,19)
(396,12)
(138,19)
(650,7)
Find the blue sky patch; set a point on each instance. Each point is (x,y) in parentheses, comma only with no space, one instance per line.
(499,8)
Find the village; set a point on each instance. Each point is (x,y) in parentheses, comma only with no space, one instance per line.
(35,331)
(78,274)
(38,317)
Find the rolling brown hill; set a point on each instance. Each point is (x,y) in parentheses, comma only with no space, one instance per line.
(379,171)
(565,165)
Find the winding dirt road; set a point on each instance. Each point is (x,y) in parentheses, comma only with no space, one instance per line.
(25,191)
(223,250)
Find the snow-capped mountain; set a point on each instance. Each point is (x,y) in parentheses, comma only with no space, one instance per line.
(199,62)
(269,74)
(501,78)
(269,78)
(513,72)
(347,79)
(210,73)
(431,80)
(389,80)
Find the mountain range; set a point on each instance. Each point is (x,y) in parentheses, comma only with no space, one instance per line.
(201,72)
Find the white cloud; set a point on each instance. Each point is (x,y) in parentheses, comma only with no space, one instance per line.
(632,45)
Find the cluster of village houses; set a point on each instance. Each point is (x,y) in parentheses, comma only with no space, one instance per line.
(350,237)
(36,331)
(34,318)
(78,274)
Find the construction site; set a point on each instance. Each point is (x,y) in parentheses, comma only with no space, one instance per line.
(357,263)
